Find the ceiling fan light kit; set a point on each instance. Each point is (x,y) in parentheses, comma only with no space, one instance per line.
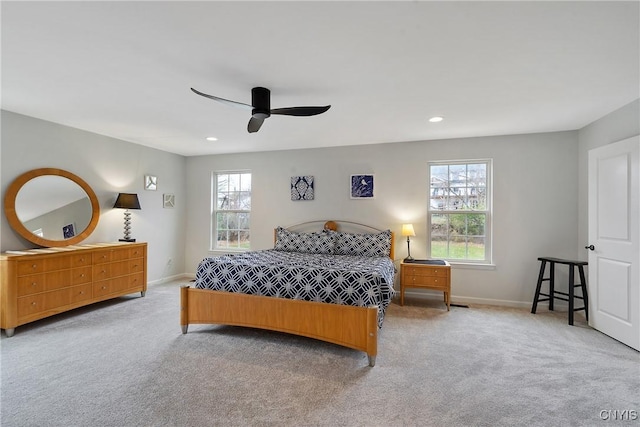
(261,107)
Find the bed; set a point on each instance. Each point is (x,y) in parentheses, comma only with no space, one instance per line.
(332,284)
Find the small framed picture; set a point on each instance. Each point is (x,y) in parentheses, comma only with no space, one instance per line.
(362,186)
(302,188)
(68,231)
(168,201)
(150,182)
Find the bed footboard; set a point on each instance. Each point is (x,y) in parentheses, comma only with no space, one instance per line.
(348,326)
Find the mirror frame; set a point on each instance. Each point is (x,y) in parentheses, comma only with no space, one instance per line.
(16,224)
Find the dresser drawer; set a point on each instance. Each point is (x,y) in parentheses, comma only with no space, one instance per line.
(81,260)
(136,252)
(135,281)
(32,284)
(112,269)
(30,267)
(33,304)
(81,275)
(81,293)
(110,286)
(111,255)
(42,265)
(35,283)
(136,265)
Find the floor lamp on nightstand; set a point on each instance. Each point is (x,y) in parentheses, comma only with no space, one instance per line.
(407,230)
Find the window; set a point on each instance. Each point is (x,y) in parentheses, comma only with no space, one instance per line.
(231,211)
(459,212)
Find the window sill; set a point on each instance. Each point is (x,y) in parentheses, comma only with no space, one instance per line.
(471,266)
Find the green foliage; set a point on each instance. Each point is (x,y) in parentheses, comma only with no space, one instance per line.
(457,250)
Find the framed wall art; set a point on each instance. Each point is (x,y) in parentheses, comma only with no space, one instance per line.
(302,188)
(68,231)
(150,182)
(168,201)
(361,186)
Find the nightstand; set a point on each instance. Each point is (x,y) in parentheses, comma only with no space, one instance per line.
(426,276)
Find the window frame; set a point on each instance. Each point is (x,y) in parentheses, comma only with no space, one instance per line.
(488,211)
(213,244)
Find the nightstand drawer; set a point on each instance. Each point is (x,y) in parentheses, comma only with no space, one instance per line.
(428,281)
(426,271)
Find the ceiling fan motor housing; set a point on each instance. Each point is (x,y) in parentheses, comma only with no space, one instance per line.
(261,102)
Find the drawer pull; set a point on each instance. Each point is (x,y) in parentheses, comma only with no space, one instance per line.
(34,266)
(82,275)
(103,271)
(33,303)
(34,284)
(104,287)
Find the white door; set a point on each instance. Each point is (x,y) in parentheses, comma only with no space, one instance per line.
(614,240)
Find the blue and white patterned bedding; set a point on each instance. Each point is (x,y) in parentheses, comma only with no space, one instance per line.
(337,279)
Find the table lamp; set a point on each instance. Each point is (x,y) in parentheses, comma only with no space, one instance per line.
(407,230)
(127,201)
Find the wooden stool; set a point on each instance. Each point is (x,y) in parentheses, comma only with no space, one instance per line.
(552,292)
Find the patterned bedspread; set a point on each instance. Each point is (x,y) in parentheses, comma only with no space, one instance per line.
(338,279)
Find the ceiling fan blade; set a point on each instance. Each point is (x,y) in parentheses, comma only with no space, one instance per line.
(224,101)
(300,111)
(254,124)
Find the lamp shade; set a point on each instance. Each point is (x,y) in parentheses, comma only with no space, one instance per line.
(127,201)
(407,230)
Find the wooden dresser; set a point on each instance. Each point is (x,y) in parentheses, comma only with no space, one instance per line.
(38,283)
(426,276)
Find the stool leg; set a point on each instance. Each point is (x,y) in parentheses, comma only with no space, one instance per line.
(585,297)
(538,286)
(571,288)
(552,278)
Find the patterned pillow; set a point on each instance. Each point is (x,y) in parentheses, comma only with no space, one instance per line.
(310,243)
(371,245)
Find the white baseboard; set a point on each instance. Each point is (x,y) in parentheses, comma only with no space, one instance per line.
(456,299)
(171,278)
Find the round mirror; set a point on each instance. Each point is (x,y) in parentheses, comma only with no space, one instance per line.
(51,207)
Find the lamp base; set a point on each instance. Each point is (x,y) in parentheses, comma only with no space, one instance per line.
(126,240)
(408,259)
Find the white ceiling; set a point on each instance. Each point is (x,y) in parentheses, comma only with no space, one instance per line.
(124,69)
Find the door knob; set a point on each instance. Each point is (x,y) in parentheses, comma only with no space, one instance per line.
(590,247)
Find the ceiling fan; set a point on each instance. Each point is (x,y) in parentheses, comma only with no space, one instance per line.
(261,107)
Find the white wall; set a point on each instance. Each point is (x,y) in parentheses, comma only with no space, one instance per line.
(616,126)
(109,166)
(535,200)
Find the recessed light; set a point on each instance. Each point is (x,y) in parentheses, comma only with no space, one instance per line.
(436,119)
(212,138)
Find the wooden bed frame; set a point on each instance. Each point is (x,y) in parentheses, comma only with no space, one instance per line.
(348,326)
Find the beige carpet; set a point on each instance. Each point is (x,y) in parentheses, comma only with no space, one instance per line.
(126,363)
